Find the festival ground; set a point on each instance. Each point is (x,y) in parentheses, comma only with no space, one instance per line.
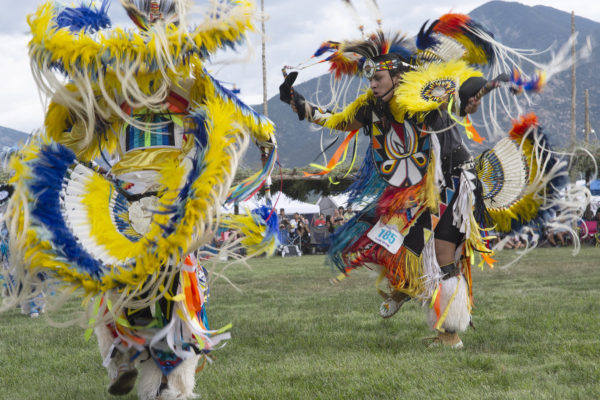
(295,336)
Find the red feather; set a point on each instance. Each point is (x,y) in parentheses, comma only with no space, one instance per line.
(522,125)
(452,24)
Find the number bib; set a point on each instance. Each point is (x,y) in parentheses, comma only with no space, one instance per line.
(386,236)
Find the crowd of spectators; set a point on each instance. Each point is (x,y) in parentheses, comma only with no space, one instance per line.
(313,236)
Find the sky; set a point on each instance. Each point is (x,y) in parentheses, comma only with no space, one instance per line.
(294,30)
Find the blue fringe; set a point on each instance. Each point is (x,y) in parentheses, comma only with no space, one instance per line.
(368,183)
(85,17)
(261,216)
(48,171)
(345,235)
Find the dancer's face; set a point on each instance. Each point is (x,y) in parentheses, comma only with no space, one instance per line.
(382,83)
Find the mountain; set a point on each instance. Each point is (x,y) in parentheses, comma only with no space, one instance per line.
(513,24)
(11,137)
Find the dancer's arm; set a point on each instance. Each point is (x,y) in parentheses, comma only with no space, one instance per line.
(312,112)
(473,89)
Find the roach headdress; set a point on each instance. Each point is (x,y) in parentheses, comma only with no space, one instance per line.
(378,52)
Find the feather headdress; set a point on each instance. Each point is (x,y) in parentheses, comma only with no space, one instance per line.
(455,36)
(349,58)
(144,12)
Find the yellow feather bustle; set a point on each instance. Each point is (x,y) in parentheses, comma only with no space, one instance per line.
(410,97)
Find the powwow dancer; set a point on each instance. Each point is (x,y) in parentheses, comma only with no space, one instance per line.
(124,240)
(34,304)
(428,200)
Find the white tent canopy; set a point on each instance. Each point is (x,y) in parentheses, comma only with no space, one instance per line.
(279,200)
(291,206)
(328,203)
(250,204)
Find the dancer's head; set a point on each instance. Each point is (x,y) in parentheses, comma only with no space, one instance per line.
(384,73)
(386,58)
(147,12)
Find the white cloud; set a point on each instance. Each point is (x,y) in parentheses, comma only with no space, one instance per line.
(20,106)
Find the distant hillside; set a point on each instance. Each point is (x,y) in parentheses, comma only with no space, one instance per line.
(11,137)
(513,24)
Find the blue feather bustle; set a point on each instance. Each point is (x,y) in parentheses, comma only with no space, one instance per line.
(49,171)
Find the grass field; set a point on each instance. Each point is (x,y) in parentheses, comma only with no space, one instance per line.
(295,336)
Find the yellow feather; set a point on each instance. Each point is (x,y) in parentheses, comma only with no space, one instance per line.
(408,97)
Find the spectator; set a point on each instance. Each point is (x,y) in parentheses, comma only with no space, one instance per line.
(330,224)
(558,238)
(284,227)
(305,220)
(320,221)
(293,225)
(282,218)
(338,217)
(348,214)
(514,243)
(304,233)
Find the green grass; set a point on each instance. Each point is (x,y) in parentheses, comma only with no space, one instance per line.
(295,336)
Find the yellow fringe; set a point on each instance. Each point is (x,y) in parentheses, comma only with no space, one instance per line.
(431,195)
(77,51)
(253,233)
(341,119)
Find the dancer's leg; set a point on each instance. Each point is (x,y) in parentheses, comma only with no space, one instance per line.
(121,369)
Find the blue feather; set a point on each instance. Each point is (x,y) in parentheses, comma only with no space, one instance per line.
(426,40)
(85,17)
(48,171)
(368,183)
(265,216)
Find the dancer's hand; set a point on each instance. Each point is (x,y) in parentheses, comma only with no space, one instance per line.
(287,94)
(473,105)
(286,89)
